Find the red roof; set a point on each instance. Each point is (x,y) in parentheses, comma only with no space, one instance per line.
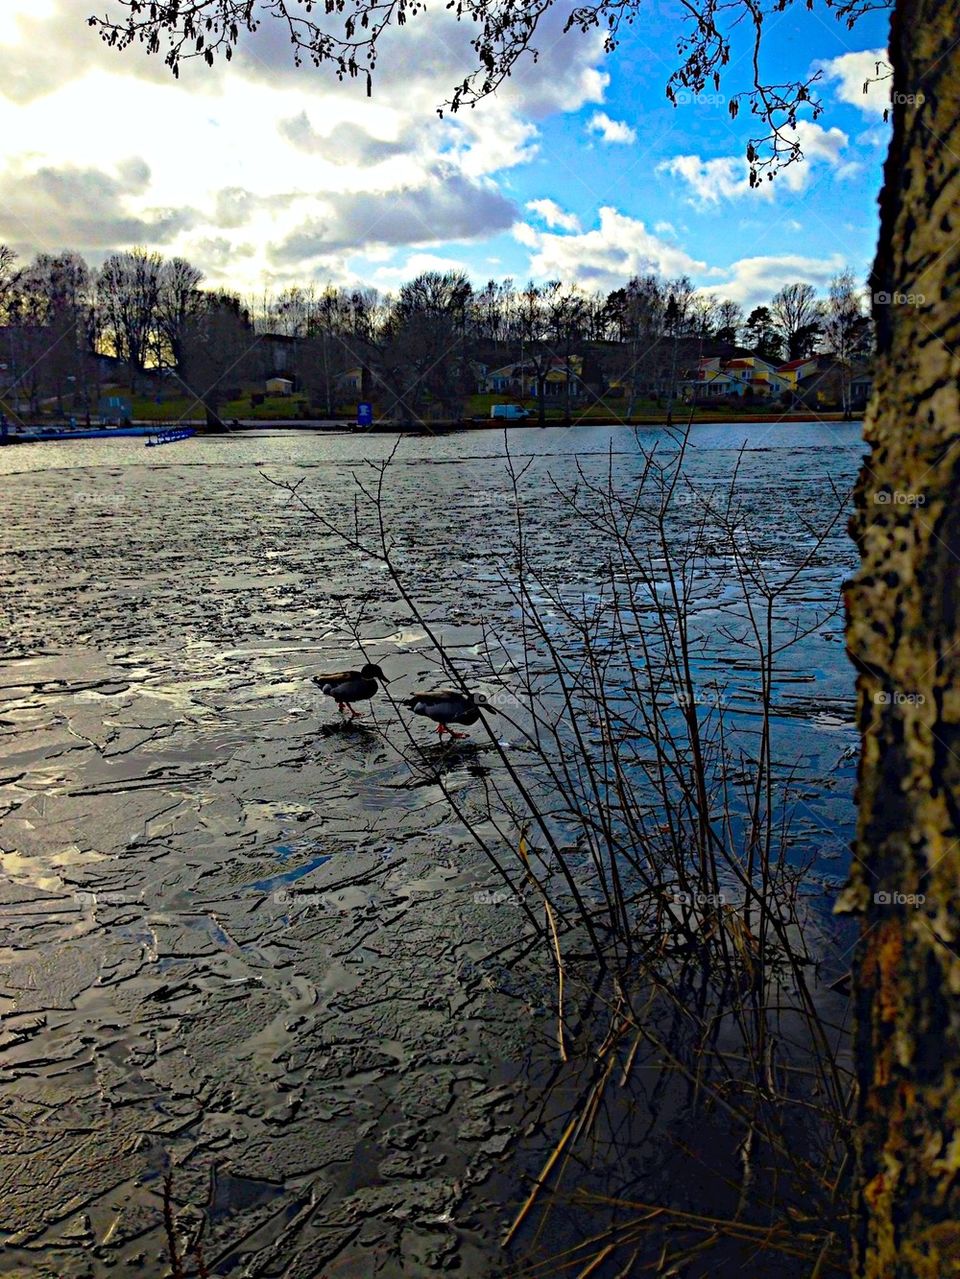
(796,364)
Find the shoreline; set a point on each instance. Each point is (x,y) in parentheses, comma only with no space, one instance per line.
(143,428)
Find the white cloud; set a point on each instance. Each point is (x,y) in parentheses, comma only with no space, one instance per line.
(710,181)
(852,71)
(446,205)
(605,257)
(388,278)
(611,130)
(753,281)
(308,170)
(877,136)
(87,208)
(220,254)
(47,44)
(818,143)
(551,213)
(487,142)
(527,235)
(728,177)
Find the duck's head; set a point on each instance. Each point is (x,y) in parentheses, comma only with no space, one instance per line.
(373,672)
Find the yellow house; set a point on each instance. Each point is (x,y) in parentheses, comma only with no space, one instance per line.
(754,372)
(797,369)
(710,380)
(560,374)
(279,386)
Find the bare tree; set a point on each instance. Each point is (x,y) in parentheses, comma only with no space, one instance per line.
(797,315)
(292,311)
(634,318)
(128,297)
(845,329)
(530,325)
(680,319)
(9,275)
(178,300)
(46,339)
(704,310)
(424,360)
(218,350)
(729,321)
(567,315)
(66,281)
(490,313)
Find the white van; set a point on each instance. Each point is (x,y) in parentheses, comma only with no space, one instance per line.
(512,412)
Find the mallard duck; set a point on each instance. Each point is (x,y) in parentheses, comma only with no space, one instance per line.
(449,706)
(346,687)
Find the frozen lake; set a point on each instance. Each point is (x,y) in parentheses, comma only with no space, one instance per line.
(333,1071)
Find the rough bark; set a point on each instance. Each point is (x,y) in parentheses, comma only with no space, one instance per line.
(904,638)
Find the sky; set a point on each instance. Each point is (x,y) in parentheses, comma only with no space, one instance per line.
(266,175)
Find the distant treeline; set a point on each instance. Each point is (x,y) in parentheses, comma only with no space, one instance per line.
(67,328)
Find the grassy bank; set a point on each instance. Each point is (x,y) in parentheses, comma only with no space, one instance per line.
(605,412)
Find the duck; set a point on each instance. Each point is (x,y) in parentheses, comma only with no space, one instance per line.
(347,687)
(449,706)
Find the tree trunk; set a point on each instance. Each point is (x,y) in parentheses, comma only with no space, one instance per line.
(673,380)
(632,378)
(904,638)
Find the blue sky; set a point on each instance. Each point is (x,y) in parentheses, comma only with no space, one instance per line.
(579,168)
(680,172)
